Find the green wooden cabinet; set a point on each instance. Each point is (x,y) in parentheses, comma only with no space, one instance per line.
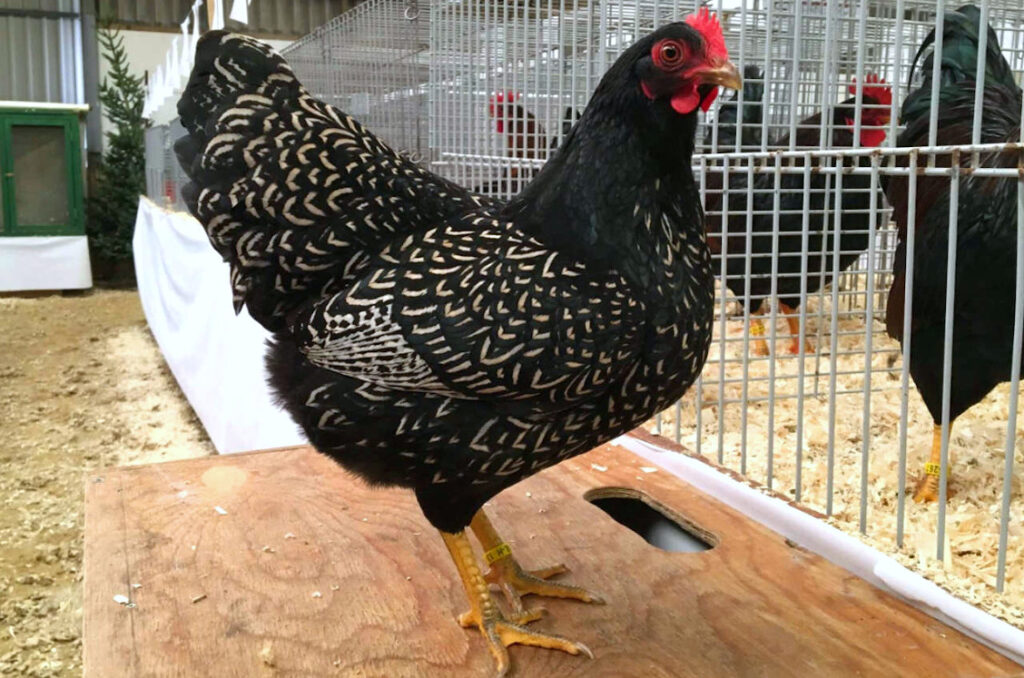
(40,172)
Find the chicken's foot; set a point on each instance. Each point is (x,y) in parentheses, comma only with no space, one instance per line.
(793,321)
(512,579)
(498,630)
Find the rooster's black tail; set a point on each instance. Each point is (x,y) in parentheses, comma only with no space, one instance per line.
(961,36)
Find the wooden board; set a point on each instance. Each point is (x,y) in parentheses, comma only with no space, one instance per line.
(309,572)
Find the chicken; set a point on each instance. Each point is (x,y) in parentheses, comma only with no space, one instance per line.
(428,338)
(569,118)
(986,273)
(525,139)
(820,271)
(748,137)
(749,134)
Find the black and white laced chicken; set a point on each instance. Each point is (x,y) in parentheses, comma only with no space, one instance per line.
(429,338)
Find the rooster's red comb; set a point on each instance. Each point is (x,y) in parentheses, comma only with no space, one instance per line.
(874,87)
(706,23)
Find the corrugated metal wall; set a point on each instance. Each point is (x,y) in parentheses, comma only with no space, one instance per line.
(284,18)
(38,6)
(41,40)
(40,51)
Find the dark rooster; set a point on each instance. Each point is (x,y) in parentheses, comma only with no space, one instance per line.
(747,132)
(569,118)
(855,203)
(431,339)
(525,139)
(986,272)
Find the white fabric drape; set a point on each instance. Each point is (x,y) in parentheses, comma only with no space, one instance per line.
(240,11)
(217,23)
(216,356)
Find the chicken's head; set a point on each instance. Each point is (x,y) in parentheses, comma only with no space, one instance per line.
(686,63)
(501,108)
(877,100)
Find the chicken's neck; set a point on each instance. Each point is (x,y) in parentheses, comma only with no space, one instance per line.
(620,194)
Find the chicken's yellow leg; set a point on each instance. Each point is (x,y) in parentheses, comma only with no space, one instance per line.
(760,346)
(513,580)
(793,320)
(928,485)
(498,631)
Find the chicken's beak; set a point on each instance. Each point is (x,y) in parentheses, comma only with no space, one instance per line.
(724,74)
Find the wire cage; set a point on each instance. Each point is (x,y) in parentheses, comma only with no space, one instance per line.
(823,408)
(156,170)
(830,416)
(372,63)
(804,391)
(164,176)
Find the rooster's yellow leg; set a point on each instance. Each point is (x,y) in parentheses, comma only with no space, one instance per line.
(513,580)
(793,320)
(759,346)
(927,489)
(499,632)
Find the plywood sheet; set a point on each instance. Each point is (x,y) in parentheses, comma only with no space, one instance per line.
(281,564)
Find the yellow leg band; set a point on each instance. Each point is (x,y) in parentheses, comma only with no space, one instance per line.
(756,330)
(932,469)
(500,551)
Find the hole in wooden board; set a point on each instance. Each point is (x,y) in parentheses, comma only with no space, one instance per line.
(659,525)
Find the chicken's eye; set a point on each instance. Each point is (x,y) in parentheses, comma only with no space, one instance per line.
(669,54)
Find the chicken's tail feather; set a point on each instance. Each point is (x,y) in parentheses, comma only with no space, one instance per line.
(961,36)
(293,193)
(226,65)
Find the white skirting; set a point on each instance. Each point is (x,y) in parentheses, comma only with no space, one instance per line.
(59,262)
(216,356)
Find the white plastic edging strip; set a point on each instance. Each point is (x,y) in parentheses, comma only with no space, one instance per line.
(837,547)
(46,105)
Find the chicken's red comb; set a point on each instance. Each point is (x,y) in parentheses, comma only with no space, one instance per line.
(706,23)
(499,99)
(874,87)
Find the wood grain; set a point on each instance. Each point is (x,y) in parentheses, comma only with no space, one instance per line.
(310,572)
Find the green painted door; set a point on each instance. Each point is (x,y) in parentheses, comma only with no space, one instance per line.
(40,175)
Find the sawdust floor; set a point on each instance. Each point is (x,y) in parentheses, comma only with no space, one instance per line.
(977,449)
(82,385)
